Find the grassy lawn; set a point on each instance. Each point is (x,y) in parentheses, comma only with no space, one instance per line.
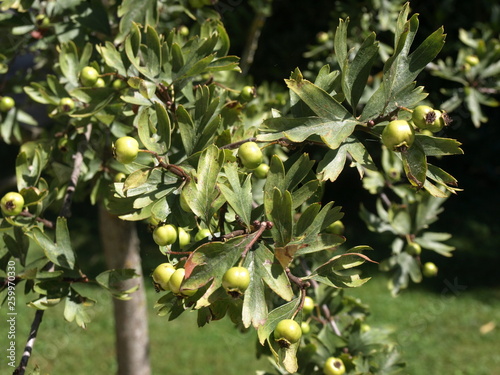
(438,333)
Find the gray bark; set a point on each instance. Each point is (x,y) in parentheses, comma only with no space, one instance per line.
(121,247)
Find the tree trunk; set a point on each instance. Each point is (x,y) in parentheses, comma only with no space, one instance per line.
(121,247)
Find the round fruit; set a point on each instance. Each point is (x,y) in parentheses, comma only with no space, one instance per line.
(333,366)
(165,235)
(202,234)
(308,306)
(176,279)
(337,227)
(6,103)
(261,171)
(413,249)
(120,177)
(305,328)
(119,84)
(472,60)
(287,332)
(365,328)
(100,83)
(12,204)
(42,20)
(183,30)
(430,269)
(236,280)
(398,134)
(427,118)
(184,238)
(247,93)
(66,104)
(126,149)
(322,37)
(250,155)
(89,76)
(162,273)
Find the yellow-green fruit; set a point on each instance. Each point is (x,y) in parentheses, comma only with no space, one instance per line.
(162,273)
(202,233)
(6,103)
(66,104)
(119,84)
(184,238)
(308,306)
(430,269)
(334,366)
(250,155)
(89,76)
(287,332)
(472,60)
(413,248)
(236,280)
(12,204)
(427,118)
(337,227)
(261,171)
(120,177)
(247,93)
(398,134)
(305,327)
(100,83)
(175,282)
(165,235)
(126,149)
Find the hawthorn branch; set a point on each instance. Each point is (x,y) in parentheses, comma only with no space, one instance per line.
(65,212)
(46,223)
(262,227)
(175,169)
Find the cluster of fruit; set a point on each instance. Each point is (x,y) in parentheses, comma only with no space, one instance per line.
(289,332)
(429,269)
(166,277)
(400,134)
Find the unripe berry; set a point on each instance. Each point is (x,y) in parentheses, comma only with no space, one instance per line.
(126,149)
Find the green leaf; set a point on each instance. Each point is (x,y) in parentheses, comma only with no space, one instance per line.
(333,163)
(129,13)
(112,57)
(239,196)
(340,42)
(320,102)
(281,215)
(69,62)
(60,252)
(355,74)
(434,146)
(154,129)
(203,194)
(254,310)
(76,307)
(116,281)
(136,179)
(332,132)
(433,241)
(415,165)
(271,272)
(96,98)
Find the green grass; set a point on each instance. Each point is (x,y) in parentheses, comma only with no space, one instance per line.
(177,347)
(437,330)
(438,334)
